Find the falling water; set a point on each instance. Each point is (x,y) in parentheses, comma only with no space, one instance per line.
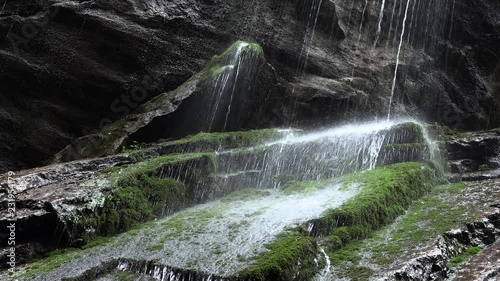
(219,87)
(221,237)
(397,23)
(379,26)
(238,63)
(362,20)
(412,19)
(451,21)
(313,156)
(309,36)
(325,273)
(397,60)
(223,86)
(391,22)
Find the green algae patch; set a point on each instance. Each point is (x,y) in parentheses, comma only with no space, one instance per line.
(469,253)
(291,257)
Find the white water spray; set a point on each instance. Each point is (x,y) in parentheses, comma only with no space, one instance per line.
(397,60)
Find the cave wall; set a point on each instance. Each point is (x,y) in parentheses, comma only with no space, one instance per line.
(68,68)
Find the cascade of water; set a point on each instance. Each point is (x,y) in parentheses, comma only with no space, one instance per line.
(362,20)
(397,24)
(219,87)
(451,20)
(312,156)
(397,60)
(427,22)
(350,11)
(224,81)
(391,22)
(379,26)
(309,36)
(325,273)
(238,63)
(413,16)
(417,21)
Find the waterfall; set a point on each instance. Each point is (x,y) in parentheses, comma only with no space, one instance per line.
(398,20)
(309,36)
(362,20)
(219,87)
(391,22)
(313,156)
(379,26)
(238,57)
(215,240)
(397,60)
(410,29)
(225,76)
(325,273)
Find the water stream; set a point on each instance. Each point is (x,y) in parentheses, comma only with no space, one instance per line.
(222,237)
(379,25)
(394,80)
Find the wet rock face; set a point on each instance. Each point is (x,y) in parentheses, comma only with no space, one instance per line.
(433,266)
(70,67)
(474,156)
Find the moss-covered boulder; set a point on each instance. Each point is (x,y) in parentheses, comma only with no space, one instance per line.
(228,94)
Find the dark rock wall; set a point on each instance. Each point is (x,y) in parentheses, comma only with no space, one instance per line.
(70,67)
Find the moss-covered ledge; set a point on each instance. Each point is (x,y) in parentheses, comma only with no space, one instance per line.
(292,257)
(143,191)
(210,142)
(385,194)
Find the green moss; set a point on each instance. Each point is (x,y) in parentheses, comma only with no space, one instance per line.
(226,57)
(149,197)
(246,194)
(228,140)
(139,194)
(228,60)
(409,132)
(426,219)
(385,194)
(455,261)
(290,257)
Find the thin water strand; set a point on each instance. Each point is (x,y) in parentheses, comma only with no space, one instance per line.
(391,22)
(397,60)
(379,26)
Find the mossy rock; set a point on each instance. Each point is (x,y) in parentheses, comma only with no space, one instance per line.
(409,132)
(291,257)
(385,194)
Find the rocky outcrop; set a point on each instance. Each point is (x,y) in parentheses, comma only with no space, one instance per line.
(434,265)
(83,64)
(227,94)
(474,156)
